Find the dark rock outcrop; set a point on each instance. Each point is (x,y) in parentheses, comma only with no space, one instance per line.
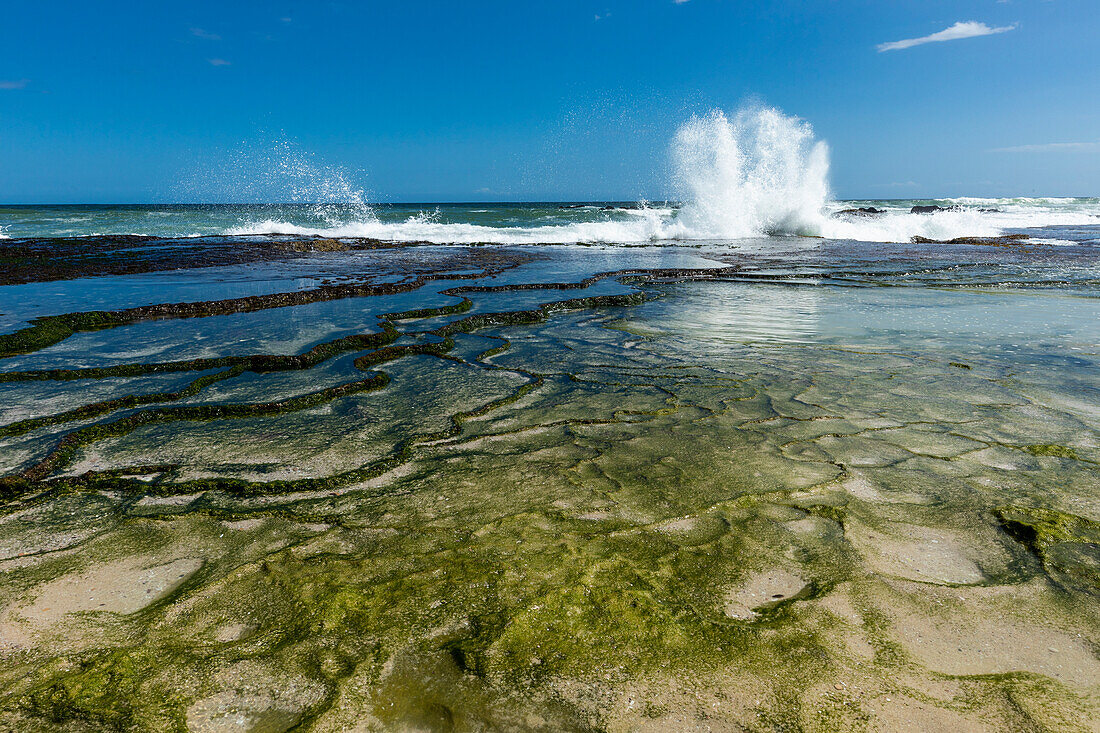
(932,209)
(1006,240)
(861,211)
(319,245)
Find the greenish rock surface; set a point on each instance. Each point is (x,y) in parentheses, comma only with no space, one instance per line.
(602,509)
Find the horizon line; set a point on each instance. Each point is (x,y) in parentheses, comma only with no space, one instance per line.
(486,202)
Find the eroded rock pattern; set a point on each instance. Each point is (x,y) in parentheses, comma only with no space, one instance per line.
(695,496)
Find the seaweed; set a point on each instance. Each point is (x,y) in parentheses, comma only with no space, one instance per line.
(1068,546)
(1049,449)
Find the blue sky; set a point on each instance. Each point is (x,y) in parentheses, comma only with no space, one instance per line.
(508,100)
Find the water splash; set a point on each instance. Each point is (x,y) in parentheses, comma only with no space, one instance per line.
(759,173)
(279,171)
(756,173)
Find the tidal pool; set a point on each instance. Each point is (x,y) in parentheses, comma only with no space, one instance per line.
(839,487)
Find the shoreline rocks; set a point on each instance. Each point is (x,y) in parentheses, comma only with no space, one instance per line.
(861,211)
(933,209)
(1005,240)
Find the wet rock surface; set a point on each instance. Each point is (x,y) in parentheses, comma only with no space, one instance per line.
(65,258)
(1006,240)
(673,498)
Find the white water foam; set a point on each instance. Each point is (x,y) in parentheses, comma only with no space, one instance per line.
(647,225)
(963,217)
(902,226)
(757,173)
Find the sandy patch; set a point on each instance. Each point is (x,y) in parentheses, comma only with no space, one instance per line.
(760,590)
(123,587)
(979,638)
(234,632)
(173,500)
(903,714)
(914,552)
(254,700)
(244,525)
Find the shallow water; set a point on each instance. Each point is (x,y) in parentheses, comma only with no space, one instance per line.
(803,484)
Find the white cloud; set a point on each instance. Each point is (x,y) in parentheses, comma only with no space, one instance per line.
(205,35)
(15,84)
(962,29)
(218,62)
(679,2)
(1093,147)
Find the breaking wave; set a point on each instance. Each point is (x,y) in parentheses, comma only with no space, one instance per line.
(754,174)
(759,173)
(643,226)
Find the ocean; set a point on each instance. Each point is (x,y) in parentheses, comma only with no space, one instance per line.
(1052,220)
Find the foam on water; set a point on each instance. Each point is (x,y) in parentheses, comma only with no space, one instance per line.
(757,173)
(644,225)
(965,217)
(903,226)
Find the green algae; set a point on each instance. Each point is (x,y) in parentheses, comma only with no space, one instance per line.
(1057,451)
(123,403)
(69,446)
(64,451)
(102,689)
(46,331)
(573,537)
(418,313)
(1067,545)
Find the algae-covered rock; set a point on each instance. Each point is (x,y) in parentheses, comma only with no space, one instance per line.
(319,245)
(1067,545)
(1057,451)
(548,525)
(101,689)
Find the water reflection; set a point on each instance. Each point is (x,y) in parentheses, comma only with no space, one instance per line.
(739,312)
(1000,323)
